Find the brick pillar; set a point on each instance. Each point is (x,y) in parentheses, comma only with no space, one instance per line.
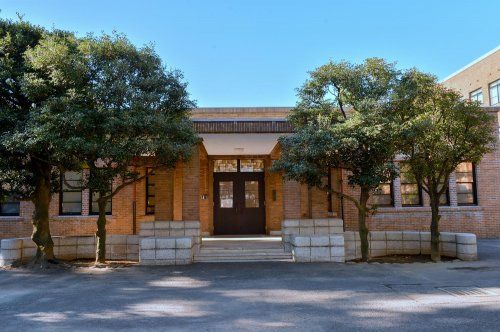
(291,200)
(191,187)
(178,192)
(163,194)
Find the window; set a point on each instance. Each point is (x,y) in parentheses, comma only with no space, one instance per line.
(495,93)
(477,95)
(225,166)
(70,199)
(94,207)
(150,191)
(445,197)
(411,193)
(9,206)
(251,165)
(251,194)
(382,196)
(226,194)
(466,186)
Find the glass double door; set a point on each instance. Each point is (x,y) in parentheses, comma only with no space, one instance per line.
(239,203)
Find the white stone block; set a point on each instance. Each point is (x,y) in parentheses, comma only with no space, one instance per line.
(337,259)
(133,239)
(192,224)
(468,249)
(306,231)
(28,243)
(165,254)
(275,233)
(132,249)
(68,241)
(411,236)
(320,254)
(306,223)
(85,251)
(337,240)
(377,253)
(466,238)
(147,254)
(320,241)
(10,254)
(291,223)
(165,243)
(394,246)
(85,240)
(148,243)
(162,225)
(147,262)
(335,222)
(425,247)
(67,252)
(394,236)
(336,230)
(177,232)
(301,254)
(467,257)
(147,225)
(11,244)
(192,232)
(376,236)
(28,252)
(133,257)
(183,243)
(425,237)
(301,241)
(291,230)
(321,230)
(117,239)
(183,254)
(448,249)
(177,225)
(147,232)
(321,222)
(447,237)
(411,247)
(337,251)
(162,232)
(349,236)
(378,245)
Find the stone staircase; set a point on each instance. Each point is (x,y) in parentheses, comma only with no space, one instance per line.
(241,249)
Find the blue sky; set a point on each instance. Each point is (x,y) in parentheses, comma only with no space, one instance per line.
(256,53)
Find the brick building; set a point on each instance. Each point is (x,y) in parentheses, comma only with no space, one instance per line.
(227,185)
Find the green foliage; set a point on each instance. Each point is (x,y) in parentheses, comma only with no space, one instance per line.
(440,129)
(361,141)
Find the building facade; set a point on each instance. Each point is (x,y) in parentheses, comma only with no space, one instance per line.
(228,187)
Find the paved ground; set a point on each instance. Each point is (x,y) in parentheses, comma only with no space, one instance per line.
(258,296)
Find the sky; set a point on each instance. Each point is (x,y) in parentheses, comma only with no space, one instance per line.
(257,53)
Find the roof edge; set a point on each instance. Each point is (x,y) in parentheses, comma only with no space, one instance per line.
(471,64)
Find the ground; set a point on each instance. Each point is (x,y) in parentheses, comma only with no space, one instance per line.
(244,296)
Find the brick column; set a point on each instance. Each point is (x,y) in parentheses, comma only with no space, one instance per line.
(163,194)
(178,192)
(191,187)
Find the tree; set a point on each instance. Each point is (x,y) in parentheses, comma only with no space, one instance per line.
(440,131)
(27,153)
(127,111)
(340,122)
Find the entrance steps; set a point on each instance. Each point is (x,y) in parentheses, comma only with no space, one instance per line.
(241,249)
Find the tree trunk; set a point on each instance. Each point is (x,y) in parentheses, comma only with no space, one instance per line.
(100,255)
(363,229)
(41,228)
(435,253)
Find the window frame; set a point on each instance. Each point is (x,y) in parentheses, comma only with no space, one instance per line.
(148,194)
(474,189)
(419,191)
(61,193)
(476,93)
(95,213)
(494,84)
(17,202)
(391,193)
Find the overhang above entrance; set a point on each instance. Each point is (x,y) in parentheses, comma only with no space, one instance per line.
(239,144)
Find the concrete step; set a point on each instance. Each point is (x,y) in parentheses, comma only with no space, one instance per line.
(251,258)
(218,254)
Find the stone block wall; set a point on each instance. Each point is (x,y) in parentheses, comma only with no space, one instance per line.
(460,245)
(318,248)
(118,247)
(166,250)
(308,227)
(165,229)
